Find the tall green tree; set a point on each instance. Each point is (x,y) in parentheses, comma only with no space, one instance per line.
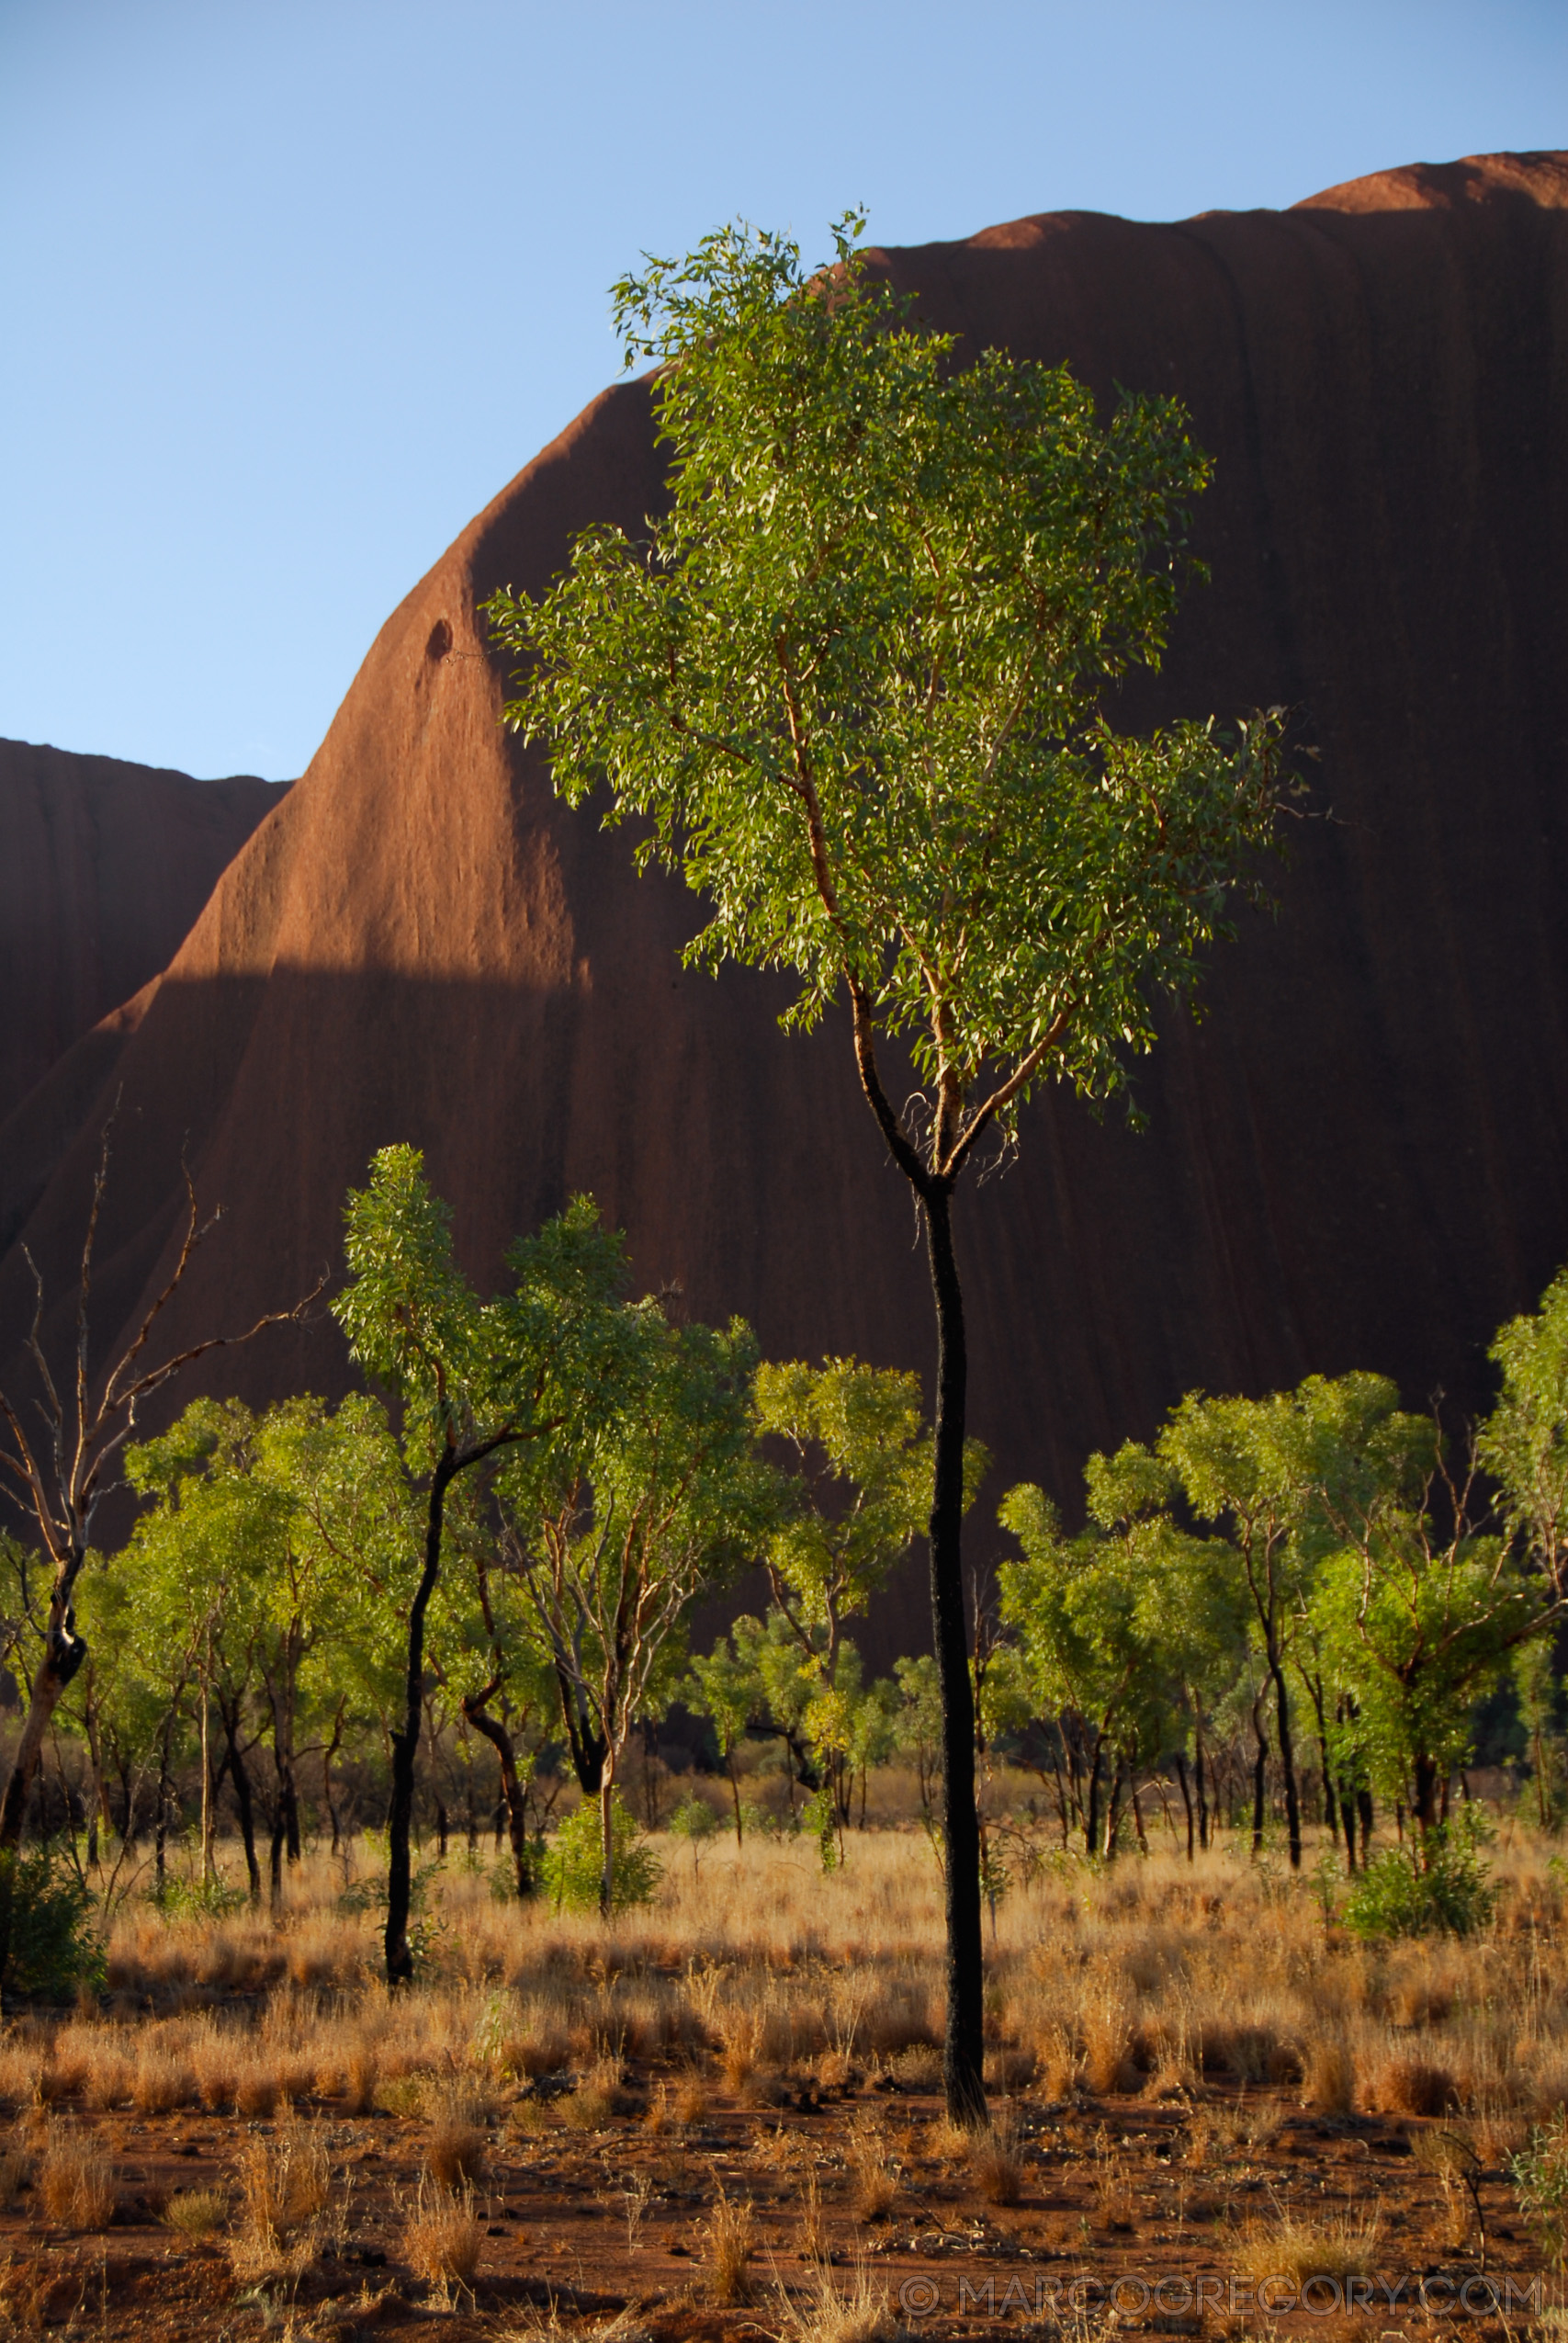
(852,682)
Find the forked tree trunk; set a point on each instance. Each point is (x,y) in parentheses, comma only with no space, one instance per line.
(63,1652)
(513,1797)
(588,1750)
(964,2049)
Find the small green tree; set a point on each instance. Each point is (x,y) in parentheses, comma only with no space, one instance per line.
(613,1534)
(727,1689)
(1078,1607)
(853,684)
(475,1378)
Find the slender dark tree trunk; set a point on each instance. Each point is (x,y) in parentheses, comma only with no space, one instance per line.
(1347,1824)
(1186,1798)
(511,1792)
(1259,1775)
(1200,1778)
(161,1815)
(964,2051)
(1288,1766)
(1364,1817)
(1091,1824)
(405,1745)
(1426,1794)
(327,1756)
(243,1802)
(1114,1816)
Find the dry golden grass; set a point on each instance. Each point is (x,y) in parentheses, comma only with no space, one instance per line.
(455,2153)
(874,2183)
(442,2237)
(859,2312)
(811,2231)
(1294,2248)
(1404,2085)
(286,2180)
(1146,1977)
(996,2164)
(729,2237)
(75,2183)
(689,2104)
(1328,2074)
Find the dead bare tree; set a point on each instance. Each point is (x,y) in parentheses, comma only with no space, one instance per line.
(59,1479)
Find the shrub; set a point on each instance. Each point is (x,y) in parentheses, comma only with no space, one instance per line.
(55,1950)
(694,1818)
(575,1859)
(209,1899)
(820,1820)
(1450,1894)
(1540,2179)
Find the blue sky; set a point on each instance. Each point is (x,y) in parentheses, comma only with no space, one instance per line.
(290,288)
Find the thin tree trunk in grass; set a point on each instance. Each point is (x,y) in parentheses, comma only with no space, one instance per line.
(1425,1800)
(1186,1798)
(1347,1824)
(1364,1817)
(243,1802)
(735,1793)
(1114,1816)
(1259,1773)
(405,1744)
(328,1754)
(607,1837)
(964,2051)
(161,1819)
(1288,1767)
(1201,1781)
(1092,1821)
(511,1794)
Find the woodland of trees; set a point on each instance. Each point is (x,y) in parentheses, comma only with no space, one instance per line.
(856,684)
(472,1585)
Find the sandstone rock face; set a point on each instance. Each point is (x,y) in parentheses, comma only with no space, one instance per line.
(1359,1158)
(105,867)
